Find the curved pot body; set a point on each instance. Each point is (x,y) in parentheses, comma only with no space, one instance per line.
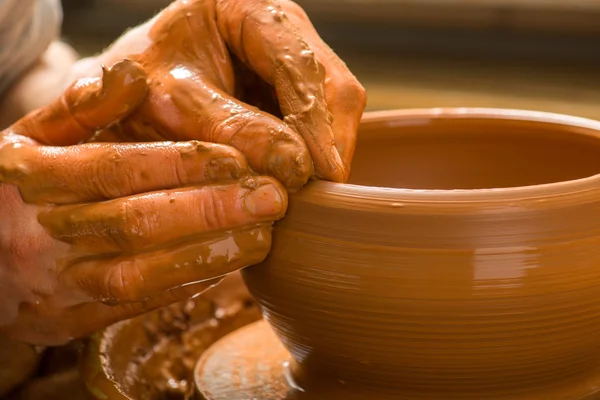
(462,260)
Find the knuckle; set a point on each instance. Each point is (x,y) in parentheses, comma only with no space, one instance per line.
(24,256)
(230,130)
(129,225)
(109,173)
(124,282)
(214,210)
(16,167)
(114,285)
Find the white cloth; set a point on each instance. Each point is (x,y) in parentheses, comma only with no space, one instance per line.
(27,27)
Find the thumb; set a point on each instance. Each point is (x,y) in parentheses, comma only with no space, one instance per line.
(87,105)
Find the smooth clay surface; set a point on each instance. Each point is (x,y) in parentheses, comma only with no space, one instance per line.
(461,262)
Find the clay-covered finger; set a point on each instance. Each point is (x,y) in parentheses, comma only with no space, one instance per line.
(261,35)
(93,172)
(159,218)
(346,98)
(192,109)
(140,276)
(87,105)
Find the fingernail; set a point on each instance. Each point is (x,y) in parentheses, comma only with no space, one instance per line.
(266,201)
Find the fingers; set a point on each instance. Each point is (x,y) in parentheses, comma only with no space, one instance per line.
(346,98)
(87,105)
(93,172)
(183,109)
(153,219)
(131,278)
(261,35)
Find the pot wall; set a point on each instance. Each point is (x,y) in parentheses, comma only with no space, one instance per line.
(465,293)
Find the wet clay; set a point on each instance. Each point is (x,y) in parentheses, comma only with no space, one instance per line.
(265,53)
(461,262)
(130,225)
(179,77)
(160,82)
(87,105)
(152,357)
(192,83)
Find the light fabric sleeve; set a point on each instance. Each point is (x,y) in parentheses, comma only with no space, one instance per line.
(27,27)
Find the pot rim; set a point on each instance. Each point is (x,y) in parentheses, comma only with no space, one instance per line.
(559,191)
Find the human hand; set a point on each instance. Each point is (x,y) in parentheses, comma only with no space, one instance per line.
(203,56)
(91,234)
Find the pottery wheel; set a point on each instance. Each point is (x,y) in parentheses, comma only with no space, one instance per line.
(251,364)
(246,364)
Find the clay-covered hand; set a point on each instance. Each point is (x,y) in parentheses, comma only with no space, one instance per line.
(203,56)
(94,233)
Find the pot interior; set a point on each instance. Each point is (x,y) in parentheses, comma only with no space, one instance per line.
(470,153)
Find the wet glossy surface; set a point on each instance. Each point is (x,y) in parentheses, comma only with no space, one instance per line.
(477,293)
(251,363)
(261,81)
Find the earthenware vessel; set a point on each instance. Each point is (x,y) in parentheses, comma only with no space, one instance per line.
(461,261)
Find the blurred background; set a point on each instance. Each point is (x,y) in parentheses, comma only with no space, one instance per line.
(528,54)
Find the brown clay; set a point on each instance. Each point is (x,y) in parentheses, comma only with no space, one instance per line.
(171,79)
(166,84)
(462,261)
(103,252)
(261,51)
(87,105)
(152,357)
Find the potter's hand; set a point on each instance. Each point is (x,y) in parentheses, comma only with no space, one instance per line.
(279,63)
(94,233)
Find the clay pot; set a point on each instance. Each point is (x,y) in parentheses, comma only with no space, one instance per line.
(462,261)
